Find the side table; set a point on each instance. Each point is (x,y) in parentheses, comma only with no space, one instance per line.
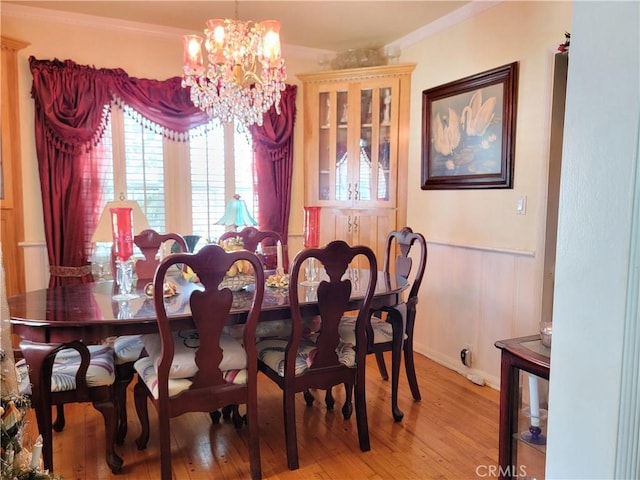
(525,354)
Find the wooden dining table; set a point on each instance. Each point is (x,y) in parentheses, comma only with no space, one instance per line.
(45,319)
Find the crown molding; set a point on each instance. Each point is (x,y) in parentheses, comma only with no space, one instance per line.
(471,9)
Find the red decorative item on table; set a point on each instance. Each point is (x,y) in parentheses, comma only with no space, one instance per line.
(311,227)
(122,227)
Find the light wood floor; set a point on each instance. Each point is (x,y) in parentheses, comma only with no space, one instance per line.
(451,433)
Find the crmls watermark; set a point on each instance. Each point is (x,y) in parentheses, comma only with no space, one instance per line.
(496,471)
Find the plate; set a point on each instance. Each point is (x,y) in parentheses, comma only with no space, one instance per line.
(170,289)
(278,281)
(237,282)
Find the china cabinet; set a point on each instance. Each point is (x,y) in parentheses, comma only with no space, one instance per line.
(356,142)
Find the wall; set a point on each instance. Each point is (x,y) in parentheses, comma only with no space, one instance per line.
(484,275)
(484,272)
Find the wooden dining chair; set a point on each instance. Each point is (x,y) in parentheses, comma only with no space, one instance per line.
(395,325)
(128,348)
(300,362)
(202,369)
(78,373)
(267,239)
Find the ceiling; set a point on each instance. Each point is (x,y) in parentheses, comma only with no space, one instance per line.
(318,24)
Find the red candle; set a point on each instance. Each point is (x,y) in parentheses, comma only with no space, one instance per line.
(122,229)
(311,227)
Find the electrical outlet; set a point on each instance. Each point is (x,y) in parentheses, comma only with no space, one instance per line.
(465,356)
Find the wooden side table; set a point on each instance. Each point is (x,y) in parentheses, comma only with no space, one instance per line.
(529,355)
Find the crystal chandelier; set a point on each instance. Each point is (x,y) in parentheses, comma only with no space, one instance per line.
(245,71)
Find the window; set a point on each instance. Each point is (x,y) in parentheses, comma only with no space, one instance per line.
(181,187)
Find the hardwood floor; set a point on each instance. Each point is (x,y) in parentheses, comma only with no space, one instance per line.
(452,433)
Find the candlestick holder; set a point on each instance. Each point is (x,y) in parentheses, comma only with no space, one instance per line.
(122,228)
(534,435)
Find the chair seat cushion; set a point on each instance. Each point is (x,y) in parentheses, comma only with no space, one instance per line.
(186,344)
(382,330)
(148,373)
(271,353)
(101,369)
(127,349)
(277,328)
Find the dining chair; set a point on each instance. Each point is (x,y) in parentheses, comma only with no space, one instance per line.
(266,239)
(79,373)
(300,362)
(202,369)
(128,348)
(391,329)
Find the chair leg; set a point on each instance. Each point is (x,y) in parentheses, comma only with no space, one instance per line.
(140,399)
(397,326)
(58,425)
(290,435)
(308,398)
(236,417)
(361,417)
(165,448)
(411,370)
(381,366)
(347,408)
(124,376)
(108,411)
(254,443)
(328,399)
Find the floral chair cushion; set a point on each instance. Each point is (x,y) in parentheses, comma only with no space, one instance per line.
(382,330)
(148,373)
(186,343)
(271,352)
(101,369)
(127,348)
(276,329)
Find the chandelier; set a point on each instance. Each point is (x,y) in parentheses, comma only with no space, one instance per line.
(244,73)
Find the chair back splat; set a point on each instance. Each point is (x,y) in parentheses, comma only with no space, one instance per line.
(267,239)
(210,378)
(149,242)
(318,359)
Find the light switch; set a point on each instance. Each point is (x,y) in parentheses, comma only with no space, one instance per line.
(521,205)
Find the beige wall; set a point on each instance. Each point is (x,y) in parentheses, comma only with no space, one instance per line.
(526,32)
(484,273)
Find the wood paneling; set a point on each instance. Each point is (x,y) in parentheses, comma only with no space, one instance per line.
(473,296)
(11,212)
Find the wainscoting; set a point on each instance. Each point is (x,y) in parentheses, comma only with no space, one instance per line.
(36,265)
(471,297)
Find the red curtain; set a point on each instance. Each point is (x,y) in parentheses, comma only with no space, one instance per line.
(71,104)
(273,150)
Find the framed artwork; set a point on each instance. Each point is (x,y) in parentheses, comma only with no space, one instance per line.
(468,134)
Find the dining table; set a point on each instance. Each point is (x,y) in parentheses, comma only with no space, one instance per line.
(48,318)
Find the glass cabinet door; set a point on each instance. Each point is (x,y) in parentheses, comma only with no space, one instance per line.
(357,143)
